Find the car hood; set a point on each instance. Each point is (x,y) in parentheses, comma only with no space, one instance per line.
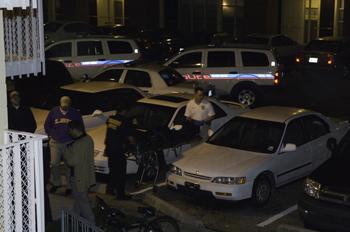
(333,175)
(213,161)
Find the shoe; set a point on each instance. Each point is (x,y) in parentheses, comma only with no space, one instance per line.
(54,188)
(68,192)
(124,197)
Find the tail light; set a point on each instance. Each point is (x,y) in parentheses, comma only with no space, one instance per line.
(277,78)
(330,60)
(298,60)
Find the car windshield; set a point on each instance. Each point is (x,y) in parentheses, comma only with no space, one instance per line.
(171,77)
(151,117)
(324,46)
(86,103)
(52,27)
(250,135)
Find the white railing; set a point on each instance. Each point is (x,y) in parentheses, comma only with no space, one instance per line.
(22,183)
(71,222)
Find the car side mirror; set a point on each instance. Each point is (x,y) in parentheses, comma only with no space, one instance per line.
(97,113)
(289,147)
(176,127)
(332,144)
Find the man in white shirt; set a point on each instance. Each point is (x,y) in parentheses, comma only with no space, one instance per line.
(200,112)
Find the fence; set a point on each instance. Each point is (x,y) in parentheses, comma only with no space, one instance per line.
(21,183)
(71,222)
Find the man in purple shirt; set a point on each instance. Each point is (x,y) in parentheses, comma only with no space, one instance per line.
(56,127)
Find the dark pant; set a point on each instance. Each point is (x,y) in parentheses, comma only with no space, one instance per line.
(117,172)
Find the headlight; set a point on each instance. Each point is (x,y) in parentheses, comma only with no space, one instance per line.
(175,170)
(230,180)
(312,188)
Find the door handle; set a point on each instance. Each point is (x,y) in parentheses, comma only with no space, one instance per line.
(197,73)
(67,61)
(233,72)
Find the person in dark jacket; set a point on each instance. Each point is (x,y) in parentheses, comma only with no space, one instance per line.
(56,127)
(119,134)
(20,118)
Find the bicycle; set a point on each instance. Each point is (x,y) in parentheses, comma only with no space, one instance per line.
(113,220)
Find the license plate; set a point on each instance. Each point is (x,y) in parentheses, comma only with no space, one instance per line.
(192,186)
(313,60)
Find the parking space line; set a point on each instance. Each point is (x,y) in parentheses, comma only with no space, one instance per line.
(278,216)
(147,189)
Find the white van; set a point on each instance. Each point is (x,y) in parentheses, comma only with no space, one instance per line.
(88,55)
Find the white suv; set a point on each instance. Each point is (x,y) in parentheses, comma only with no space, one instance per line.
(240,70)
(86,56)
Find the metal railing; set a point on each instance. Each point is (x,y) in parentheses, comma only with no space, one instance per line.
(71,222)
(21,183)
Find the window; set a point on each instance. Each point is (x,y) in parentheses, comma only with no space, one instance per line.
(189,60)
(221,59)
(315,126)
(219,113)
(254,59)
(59,50)
(171,76)
(90,48)
(295,133)
(138,78)
(119,47)
(282,41)
(109,75)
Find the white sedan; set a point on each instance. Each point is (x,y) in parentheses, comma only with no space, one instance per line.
(252,154)
(151,78)
(163,111)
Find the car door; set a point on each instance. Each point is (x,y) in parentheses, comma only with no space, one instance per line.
(89,58)
(139,79)
(189,64)
(292,165)
(120,52)
(319,133)
(220,68)
(62,52)
(219,119)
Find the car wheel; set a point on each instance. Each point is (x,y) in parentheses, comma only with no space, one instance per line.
(246,95)
(262,191)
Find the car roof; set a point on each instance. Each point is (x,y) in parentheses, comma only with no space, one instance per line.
(96,86)
(173,100)
(87,37)
(228,46)
(146,66)
(275,113)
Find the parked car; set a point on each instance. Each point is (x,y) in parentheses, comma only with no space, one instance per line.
(254,153)
(151,78)
(325,203)
(327,53)
(56,31)
(96,101)
(165,113)
(87,55)
(244,71)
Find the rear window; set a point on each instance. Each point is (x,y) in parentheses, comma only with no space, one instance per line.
(119,47)
(109,75)
(254,59)
(221,59)
(324,46)
(171,77)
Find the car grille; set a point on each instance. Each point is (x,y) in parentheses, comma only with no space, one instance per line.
(197,176)
(335,197)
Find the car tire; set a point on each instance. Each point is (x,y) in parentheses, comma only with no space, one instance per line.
(246,94)
(262,191)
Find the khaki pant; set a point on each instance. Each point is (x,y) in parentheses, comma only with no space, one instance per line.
(57,150)
(82,205)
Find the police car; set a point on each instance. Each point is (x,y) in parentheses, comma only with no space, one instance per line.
(158,112)
(151,78)
(86,56)
(242,70)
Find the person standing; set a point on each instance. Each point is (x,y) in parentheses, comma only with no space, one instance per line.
(199,113)
(20,117)
(119,134)
(56,127)
(79,156)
